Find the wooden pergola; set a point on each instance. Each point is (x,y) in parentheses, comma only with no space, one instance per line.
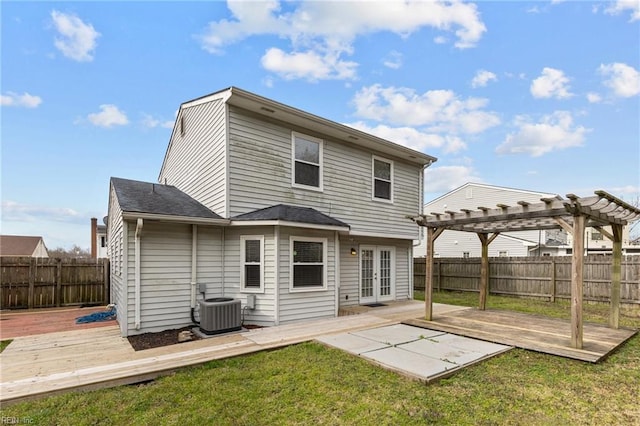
(572,214)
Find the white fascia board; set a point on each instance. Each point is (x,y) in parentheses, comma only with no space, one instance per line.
(387,236)
(289,224)
(172,218)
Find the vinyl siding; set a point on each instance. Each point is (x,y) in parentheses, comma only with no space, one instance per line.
(472,196)
(264,313)
(195,162)
(296,306)
(165,273)
(115,238)
(260,176)
(350,268)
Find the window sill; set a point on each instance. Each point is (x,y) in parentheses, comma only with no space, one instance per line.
(306,187)
(382,200)
(307,289)
(252,290)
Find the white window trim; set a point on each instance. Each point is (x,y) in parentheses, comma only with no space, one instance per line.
(320,142)
(325,265)
(244,238)
(373,179)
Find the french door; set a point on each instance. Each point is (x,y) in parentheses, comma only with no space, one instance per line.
(377,274)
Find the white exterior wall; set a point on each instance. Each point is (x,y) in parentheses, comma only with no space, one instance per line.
(196,161)
(264,314)
(260,167)
(115,246)
(350,267)
(471,196)
(296,306)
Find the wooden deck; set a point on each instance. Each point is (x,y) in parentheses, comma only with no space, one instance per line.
(532,332)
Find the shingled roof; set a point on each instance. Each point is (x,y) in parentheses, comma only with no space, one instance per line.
(18,245)
(157,199)
(287,213)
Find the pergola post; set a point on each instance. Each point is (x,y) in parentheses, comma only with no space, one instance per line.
(432,234)
(484,271)
(616,276)
(577,272)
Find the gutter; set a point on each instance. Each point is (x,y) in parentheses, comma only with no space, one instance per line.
(138,236)
(421,196)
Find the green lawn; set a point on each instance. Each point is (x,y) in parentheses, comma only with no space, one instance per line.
(311,384)
(4,344)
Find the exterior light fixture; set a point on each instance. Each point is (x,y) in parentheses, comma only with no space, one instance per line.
(353,251)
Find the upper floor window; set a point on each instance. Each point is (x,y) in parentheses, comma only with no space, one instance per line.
(382,179)
(307,162)
(252,261)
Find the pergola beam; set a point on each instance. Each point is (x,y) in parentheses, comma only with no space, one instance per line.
(573,215)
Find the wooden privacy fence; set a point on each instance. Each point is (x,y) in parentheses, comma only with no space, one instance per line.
(28,282)
(545,277)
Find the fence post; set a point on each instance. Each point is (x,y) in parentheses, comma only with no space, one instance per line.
(58,294)
(106,280)
(553,280)
(31,294)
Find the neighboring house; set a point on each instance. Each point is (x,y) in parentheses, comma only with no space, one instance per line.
(465,244)
(260,199)
(596,243)
(98,238)
(18,245)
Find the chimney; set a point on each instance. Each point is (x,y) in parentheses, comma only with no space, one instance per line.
(94,242)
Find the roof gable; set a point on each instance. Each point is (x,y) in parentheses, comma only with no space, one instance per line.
(153,198)
(287,213)
(18,245)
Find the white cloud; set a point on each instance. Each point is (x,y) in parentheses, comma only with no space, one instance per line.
(554,132)
(393,60)
(76,39)
(25,100)
(14,211)
(310,65)
(594,98)
(441,110)
(446,178)
(482,78)
(324,31)
(623,79)
(551,84)
(412,137)
(625,5)
(108,116)
(151,122)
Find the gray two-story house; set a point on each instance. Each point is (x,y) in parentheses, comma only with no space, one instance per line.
(260,201)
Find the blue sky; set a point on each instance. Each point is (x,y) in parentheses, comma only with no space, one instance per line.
(533,95)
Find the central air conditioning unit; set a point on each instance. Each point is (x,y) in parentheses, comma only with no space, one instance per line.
(220,315)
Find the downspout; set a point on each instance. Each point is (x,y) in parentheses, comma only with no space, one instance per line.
(194,270)
(276,295)
(336,269)
(138,236)
(421,202)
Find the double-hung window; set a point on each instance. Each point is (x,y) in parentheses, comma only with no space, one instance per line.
(308,263)
(252,263)
(307,162)
(382,179)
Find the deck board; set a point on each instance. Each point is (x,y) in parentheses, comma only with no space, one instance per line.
(527,331)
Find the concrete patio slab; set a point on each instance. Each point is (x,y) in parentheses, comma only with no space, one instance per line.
(469,344)
(396,334)
(414,351)
(352,343)
(410,363)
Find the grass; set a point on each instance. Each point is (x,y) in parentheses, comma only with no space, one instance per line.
(4,344)
(309,383)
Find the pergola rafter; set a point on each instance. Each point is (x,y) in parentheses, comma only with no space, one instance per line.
(572,214)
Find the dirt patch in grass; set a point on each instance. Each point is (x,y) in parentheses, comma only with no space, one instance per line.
(155,340)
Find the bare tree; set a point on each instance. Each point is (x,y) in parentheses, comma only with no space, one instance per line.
(74,252)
